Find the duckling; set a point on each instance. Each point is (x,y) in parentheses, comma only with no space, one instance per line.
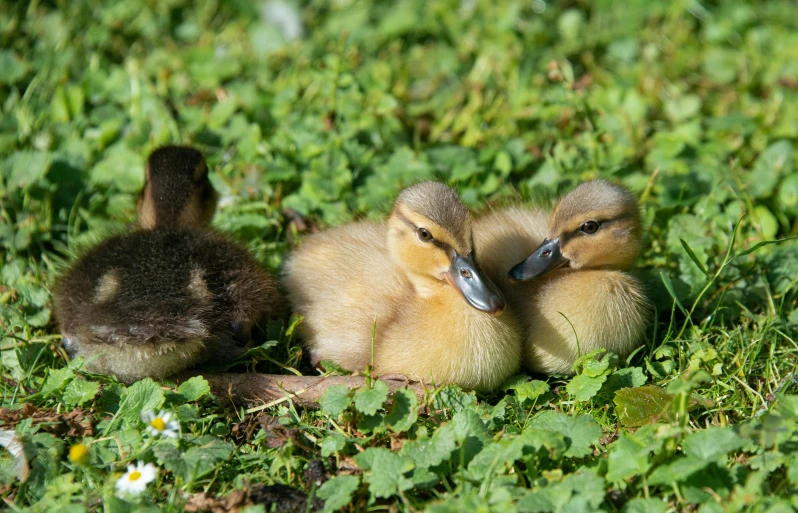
(411,281)
(571,289)
(176,192)
(156,301)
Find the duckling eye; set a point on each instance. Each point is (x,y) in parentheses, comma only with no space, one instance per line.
(590,227)
(424,235)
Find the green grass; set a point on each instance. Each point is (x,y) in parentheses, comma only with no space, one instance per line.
(691,105)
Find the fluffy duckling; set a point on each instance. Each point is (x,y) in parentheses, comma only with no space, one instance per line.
(156,301)
(413,281)
(177,192)
(570,289)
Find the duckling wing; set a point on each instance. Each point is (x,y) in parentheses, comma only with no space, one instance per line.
(343,282)
(573,313)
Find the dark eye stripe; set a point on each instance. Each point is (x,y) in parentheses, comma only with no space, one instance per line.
(435,242)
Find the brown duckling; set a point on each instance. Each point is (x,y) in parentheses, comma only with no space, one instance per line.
(176,192)
(156,301)
(407,291)
(568,281)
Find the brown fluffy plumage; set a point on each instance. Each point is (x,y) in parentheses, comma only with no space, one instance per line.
(388,278)
(155,302)
(158,300)
(176,192)
(590,302)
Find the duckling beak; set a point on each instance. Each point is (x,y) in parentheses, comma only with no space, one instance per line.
(466,276)
(546,258)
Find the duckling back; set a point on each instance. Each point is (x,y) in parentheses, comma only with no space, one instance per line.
(152,303)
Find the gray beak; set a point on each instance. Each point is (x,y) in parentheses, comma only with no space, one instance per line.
(466,276)
(545,259)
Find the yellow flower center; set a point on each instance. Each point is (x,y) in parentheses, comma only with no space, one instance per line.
(134,476)
(78,453)
(158,423)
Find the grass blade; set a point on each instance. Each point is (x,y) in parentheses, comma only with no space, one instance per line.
(763,243)
(669,285)
(693,256)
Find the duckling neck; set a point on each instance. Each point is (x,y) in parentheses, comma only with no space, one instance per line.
(424,285)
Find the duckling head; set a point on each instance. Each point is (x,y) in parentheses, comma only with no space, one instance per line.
(429,237)
(177,192)
(597,225)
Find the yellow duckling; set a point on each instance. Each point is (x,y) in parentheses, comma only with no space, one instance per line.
(570,289)
(413,280)
(156,301)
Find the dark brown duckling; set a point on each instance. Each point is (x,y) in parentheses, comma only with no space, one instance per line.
(177,192)
(157,301)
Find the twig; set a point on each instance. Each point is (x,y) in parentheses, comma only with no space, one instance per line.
(273,389)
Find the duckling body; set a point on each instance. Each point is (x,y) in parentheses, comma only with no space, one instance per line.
(155,302)
(160,299)
(578,303)
(394,279)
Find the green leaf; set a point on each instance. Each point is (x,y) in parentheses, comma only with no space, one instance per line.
(630,377)
(80,391)
(121,169)
(642,405)
(27,168)
(142,396)
(370,399)
(526,390)
(57,380)
(404,410)
(580,431)
(12,68)
(580,492)
(641,505)
(683,108)
(584,388)
(720,65)
(629,455)
(773,163)
(335,400)
(788,194)
(337,492)
(385,471)
(194,389)
(596,368)
(676,471)
(169,456)
(711,443)
(203,459)
(429,452)
(592,356)
(332,444)
(495,458)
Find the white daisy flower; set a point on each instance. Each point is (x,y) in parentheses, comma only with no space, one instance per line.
(160,424)
(135,480)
